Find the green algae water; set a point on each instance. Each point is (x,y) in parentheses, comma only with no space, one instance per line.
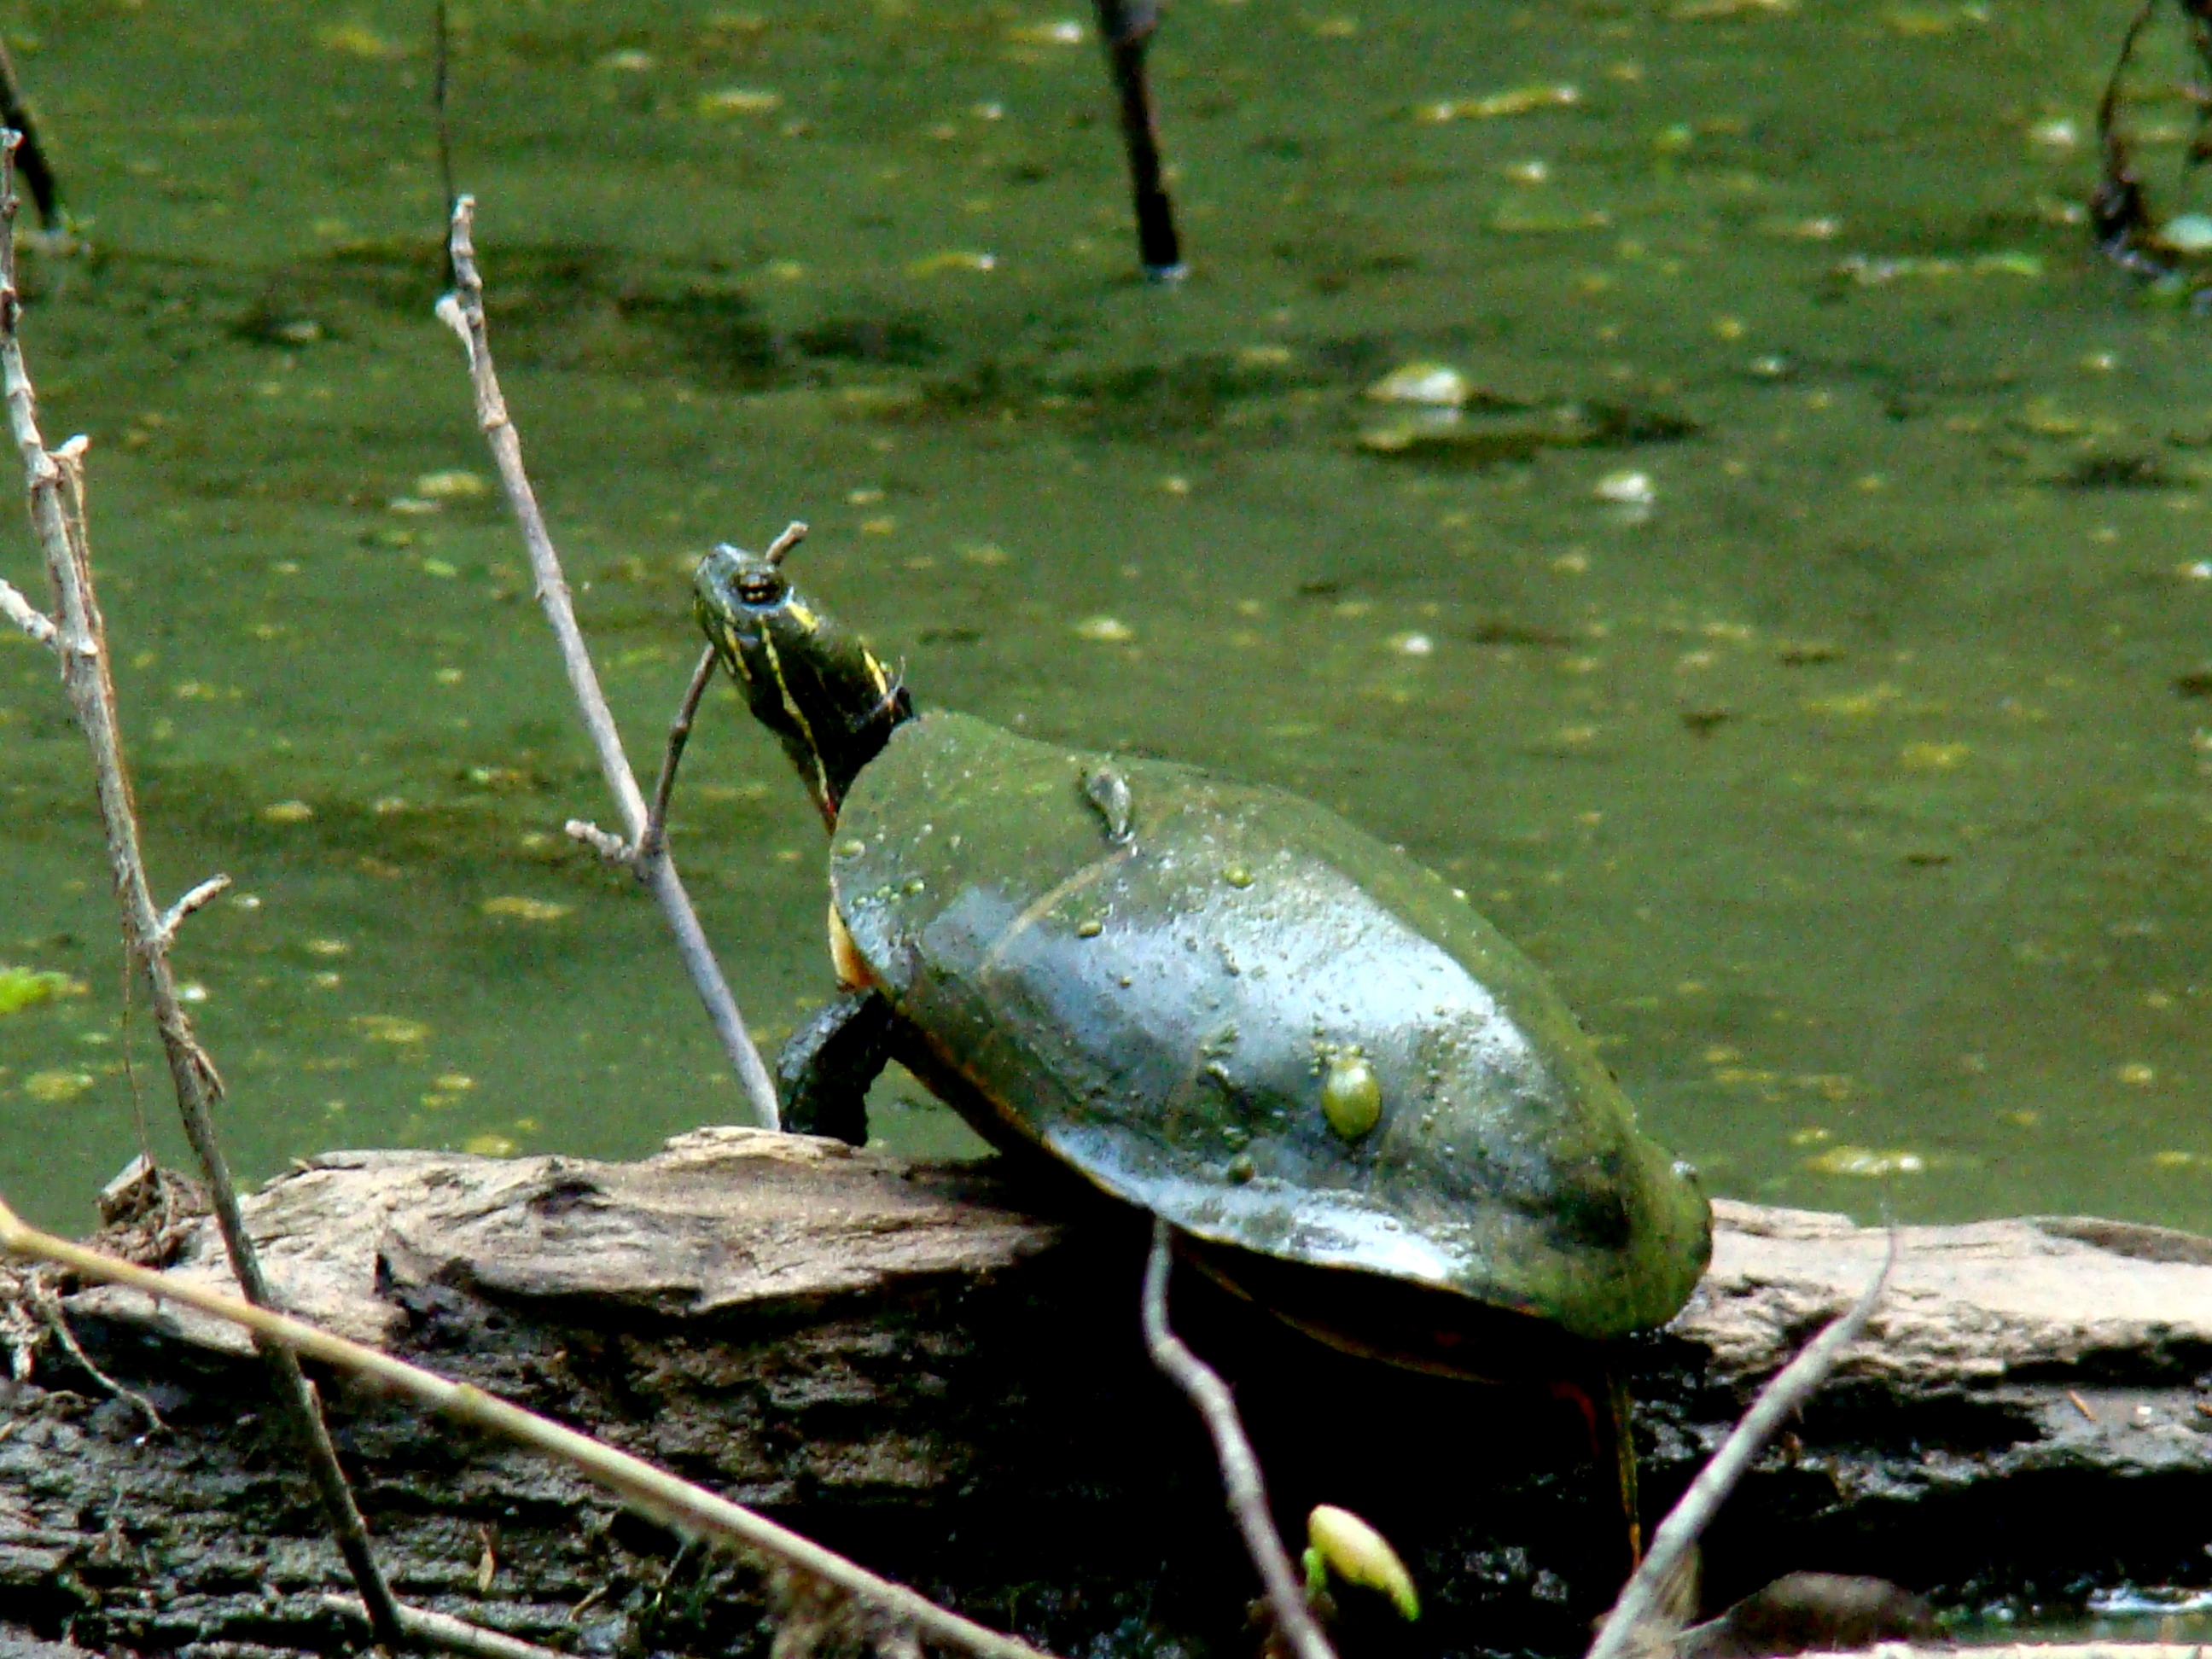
(1798,641)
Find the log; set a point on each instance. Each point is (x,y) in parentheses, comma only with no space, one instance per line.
(938,1370)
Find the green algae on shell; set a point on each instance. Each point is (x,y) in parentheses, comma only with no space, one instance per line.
(1179,1037)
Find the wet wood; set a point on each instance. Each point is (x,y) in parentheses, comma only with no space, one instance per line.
(940,1372)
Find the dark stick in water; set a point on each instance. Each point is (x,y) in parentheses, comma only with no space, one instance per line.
(441,61)
(31,164)
(2126,228)
(1124,26)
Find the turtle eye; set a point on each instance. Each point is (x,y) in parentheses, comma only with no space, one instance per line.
(761,587)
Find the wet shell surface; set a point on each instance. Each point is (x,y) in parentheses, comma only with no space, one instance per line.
(1228,1006)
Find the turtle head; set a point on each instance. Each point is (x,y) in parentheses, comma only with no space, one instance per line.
(814,684)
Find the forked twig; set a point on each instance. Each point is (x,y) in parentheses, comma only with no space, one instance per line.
(79,638)
(463,312)
(677,1504)
(653,837)
(1240,1469)
(1687,1522)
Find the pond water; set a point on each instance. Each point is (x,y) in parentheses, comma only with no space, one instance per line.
(1799,648)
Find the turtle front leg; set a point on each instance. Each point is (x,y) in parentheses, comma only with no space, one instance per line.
(825,1070)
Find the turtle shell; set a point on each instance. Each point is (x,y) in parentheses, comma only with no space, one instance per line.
(1159,986)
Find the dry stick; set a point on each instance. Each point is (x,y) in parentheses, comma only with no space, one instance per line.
(440,1630)
(463,312)
(56,480)
(652,840)
(1695,1511)
(48,1307)
(677,1504)
(19,610)
(1240,1469)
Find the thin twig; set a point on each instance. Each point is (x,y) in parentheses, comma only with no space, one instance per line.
(613,849)
(652,840)
(451,1635)
(677,1504)
(792,535)
(49,1309)
(463,312)
(172,918)
(27,616)
(1240,1469)
(56,479)
(1695,1511)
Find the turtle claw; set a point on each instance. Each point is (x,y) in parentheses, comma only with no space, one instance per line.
(825,1070)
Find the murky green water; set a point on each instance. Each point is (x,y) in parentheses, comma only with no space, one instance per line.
(1859,789)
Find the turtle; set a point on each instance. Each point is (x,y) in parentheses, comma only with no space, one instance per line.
(1353,1098)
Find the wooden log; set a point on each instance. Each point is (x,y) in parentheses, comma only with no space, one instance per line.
(939,1373)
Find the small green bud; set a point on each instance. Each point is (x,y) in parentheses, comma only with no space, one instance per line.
(1339,1541)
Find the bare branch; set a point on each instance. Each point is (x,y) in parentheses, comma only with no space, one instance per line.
(56,480)
(1240,1469)
(48,1307)
(655,1492)
(638,856)
(463,312)
(1792,1386)
(448,1634)
(20,611)
(794,533)
(612,847)
(165,935)
(652,840)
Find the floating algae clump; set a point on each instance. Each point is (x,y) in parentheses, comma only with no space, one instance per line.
(23,987)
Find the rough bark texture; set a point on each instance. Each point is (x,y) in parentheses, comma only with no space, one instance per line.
(941,1376)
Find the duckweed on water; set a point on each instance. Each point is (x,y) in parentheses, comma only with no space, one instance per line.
(26,987)
(1883,708)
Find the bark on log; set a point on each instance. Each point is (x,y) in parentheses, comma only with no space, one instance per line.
(939,1373)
